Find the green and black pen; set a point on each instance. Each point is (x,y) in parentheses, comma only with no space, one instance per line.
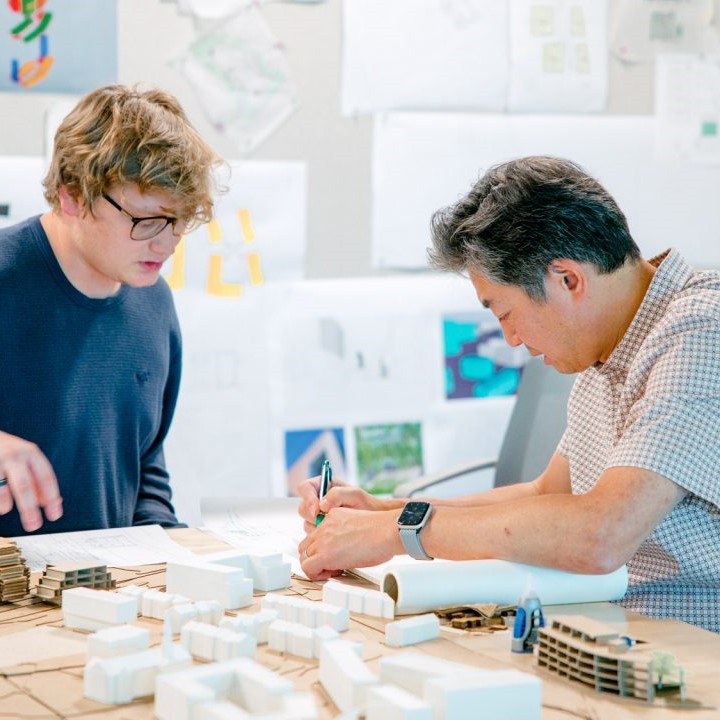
(325,480)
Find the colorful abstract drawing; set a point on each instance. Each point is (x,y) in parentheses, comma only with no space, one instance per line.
(388,455)
(478,361)
(83,38)
(33,25)
(306,450)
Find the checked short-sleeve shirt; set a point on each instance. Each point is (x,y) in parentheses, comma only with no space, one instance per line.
(655,404)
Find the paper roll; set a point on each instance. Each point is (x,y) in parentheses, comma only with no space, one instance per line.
(430,586)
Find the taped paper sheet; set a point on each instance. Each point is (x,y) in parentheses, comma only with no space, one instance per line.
(422,586)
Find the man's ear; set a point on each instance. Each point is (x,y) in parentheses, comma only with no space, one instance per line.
(570,274)
(69,204)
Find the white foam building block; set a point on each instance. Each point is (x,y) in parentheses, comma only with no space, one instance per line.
(244,682)
(268,570)
(256,624)
(410,669)
(321,635)
(299,639)
(412,630)
(208,581)
(87,609)
(365,601)
(221,710)
(502,695)
(119,680)
(156,603)
(206,611)
(307,612)
(292,638)
(344,675)
(213,643)
(389,702)
(117,640)
(135,591)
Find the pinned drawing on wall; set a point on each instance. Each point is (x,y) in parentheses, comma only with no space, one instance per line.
(639,31)
(388,455)
(431,54)
(687,108)
(242,78)
(478,361)
(306,450)
(558,56)
(58,46)
(257,234)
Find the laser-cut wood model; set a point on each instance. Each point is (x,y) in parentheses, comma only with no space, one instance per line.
(594,654)
(62,576)
(14,573)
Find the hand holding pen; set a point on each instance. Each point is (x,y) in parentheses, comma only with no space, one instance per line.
(325,481)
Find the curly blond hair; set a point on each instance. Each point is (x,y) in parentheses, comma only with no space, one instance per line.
(118,134)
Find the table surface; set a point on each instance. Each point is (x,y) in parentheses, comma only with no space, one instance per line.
(41,662)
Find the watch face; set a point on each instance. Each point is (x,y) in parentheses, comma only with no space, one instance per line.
(413,513)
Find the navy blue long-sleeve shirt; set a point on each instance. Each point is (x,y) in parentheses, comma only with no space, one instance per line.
(93,382)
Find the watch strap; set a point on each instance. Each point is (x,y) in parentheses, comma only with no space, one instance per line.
(411,541)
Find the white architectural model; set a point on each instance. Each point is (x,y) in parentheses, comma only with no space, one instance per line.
(117,640)
(86,609)
(412,630)
(119,680)
(156,603)
(213,643)
(267,570)
(309,613)
(210,581)
(344,675)
(359,600)
(455,691)
(411,686)
(205,611)
(390,702)
(256,624)
(240,684)
(298,639)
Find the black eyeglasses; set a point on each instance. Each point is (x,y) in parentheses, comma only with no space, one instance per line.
(145,228)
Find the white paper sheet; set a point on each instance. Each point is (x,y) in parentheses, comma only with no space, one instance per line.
(256,525)
(558,56)
(419,586)
(687,106)
(219,440)
(116,547)
(666,203)
(415,54)
(21,192)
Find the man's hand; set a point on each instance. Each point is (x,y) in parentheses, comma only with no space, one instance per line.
(28,481)
(339,495)
(349,538)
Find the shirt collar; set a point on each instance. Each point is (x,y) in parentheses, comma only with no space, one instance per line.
(672,274)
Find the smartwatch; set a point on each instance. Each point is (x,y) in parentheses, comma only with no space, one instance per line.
(412,520)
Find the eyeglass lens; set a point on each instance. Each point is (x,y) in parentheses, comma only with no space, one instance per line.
(146,229)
